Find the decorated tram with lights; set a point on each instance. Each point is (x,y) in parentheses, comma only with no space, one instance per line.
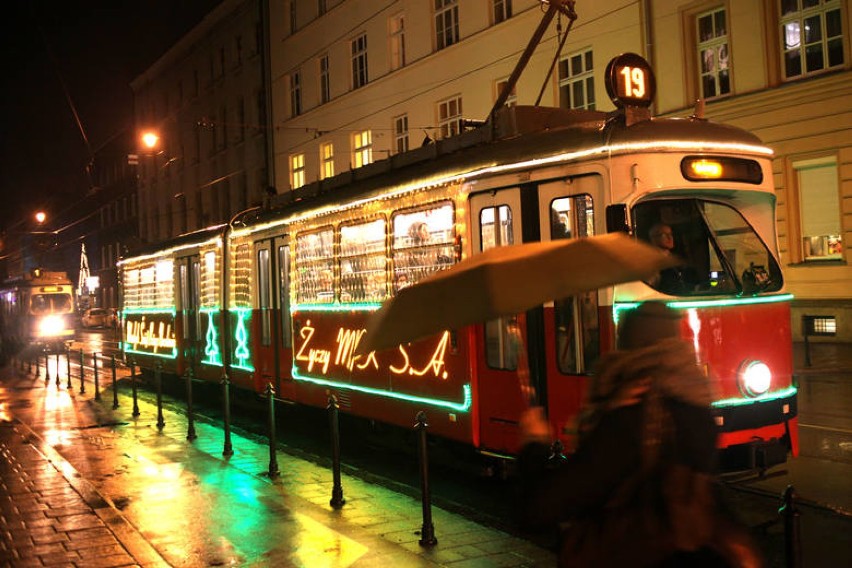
(37,311)
(281,296)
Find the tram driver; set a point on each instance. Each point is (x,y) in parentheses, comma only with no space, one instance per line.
(674,280)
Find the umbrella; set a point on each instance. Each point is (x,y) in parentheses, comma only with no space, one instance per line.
(508,280)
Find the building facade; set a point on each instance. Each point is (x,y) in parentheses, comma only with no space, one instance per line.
(356,81)
(206,103)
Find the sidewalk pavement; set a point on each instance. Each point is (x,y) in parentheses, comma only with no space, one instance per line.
(117,491)
(87,485)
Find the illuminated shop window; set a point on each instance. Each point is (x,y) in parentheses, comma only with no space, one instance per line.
(713,54)
(315,267)
(297,171)
(422,243)
(577,81)
(363,262)
(396,27)
(820,207)
(327,160)
(362,145)
(446,23)
(450,117)
(811,36)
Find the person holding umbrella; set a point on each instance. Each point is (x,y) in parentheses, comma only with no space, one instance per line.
(639,489)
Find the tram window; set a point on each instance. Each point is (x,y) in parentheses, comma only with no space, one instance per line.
(576,318)
(363,262)
(263,296)
(422,242)
(722,254)
(284,290)
(195,296)
(184,300)
(502,339)
(315,267)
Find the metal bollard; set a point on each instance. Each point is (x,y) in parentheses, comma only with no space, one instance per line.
(190,417)
(273,459)
(82,372)
(29,365)
(68,367)
(114,388)
(97,384)
(158,378)
(792,534)
(133,387)
(46,367)
(58,384)
(337,500)
(228,449)
(427,531)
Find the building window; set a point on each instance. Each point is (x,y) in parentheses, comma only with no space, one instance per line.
(359,61)
(500,85)
(293,20)
(819,199)
(400,133)
(362,144)
(502,10)
(241,119)
(713,54)
(450,117)
(297,171)
(327,160)
(811,36)
(295,93)
(446,23)
(322,7)
(397,41)
(577,81)
(325,80)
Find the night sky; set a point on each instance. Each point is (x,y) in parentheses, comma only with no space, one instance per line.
(91,49)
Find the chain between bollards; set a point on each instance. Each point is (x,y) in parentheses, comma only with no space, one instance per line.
(97,383)
(158,378)
(69,386)
(337,500)
(190,416)
(427,531)
(133,387)
(228,449)
(273,459)
(792,534)
(114,389)
(82,372)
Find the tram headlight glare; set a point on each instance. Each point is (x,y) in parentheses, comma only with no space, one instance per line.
(51,325)
(755,378)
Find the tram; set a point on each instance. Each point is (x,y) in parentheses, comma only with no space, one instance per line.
(37,310)
(280,297)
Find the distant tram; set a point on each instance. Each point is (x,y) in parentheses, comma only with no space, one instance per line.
(281,296)
(37,311)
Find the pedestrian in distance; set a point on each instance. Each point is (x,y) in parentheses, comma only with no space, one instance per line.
(640,489)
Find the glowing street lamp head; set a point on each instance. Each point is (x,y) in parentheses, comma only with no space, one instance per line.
(40,217)
(150,140)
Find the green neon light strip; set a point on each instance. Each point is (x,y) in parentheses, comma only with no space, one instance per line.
(460,407)
(127,349)
(730,302)
(729,402)
(211,350)
(129,311)
(242,354)
(354,307)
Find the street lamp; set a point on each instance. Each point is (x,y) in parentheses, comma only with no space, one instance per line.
(150,140)
(40,217)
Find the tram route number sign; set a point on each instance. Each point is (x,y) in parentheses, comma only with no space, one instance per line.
(630,81)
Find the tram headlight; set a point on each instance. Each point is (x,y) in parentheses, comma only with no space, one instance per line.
(755,378)
(51,325)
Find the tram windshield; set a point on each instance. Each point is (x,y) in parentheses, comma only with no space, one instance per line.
(722,254)
(50,303)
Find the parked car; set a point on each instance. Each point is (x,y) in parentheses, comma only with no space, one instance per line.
(95,317)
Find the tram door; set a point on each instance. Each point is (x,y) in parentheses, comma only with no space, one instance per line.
(192,336)
(264,320)
(572,324)
(499,351)
(283,319)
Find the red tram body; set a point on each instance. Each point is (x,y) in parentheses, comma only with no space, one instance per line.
(281,296)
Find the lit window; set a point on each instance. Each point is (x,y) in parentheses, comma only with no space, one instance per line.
(295,93)
(450,117)
(362,144)
(297,170)
(820,209)
(327,160)
(400,133)
(512,99)
(811,36)
(713,54)
(397,41)
(446,23)
(325,80)
(359,61)
(502,10)
(577,81)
